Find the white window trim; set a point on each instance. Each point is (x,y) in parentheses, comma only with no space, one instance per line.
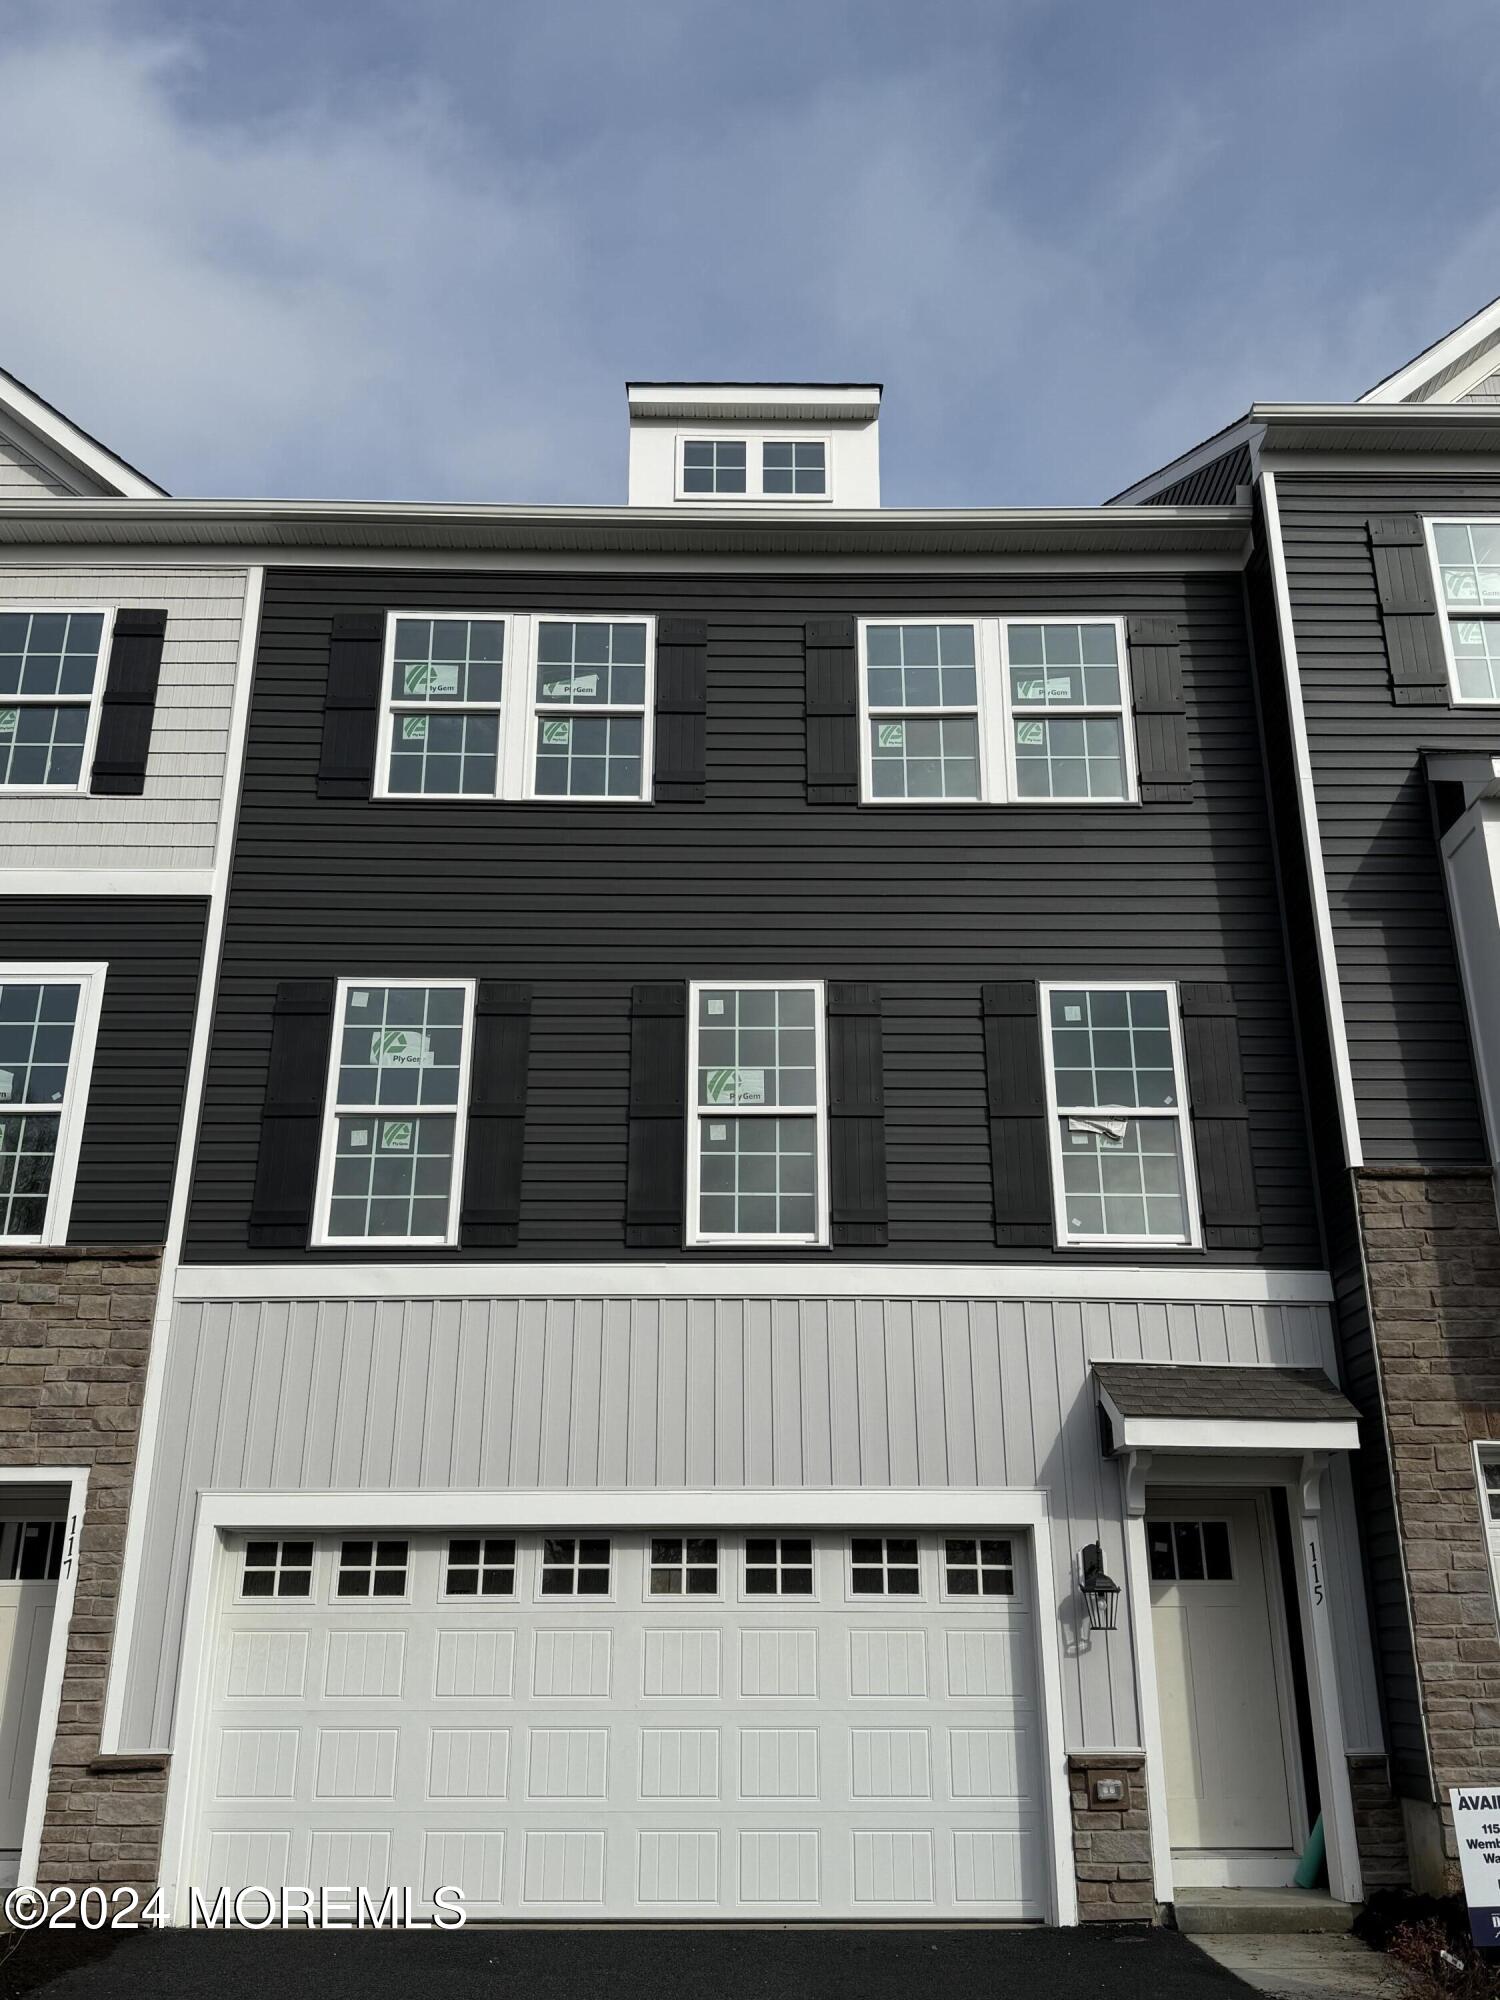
(994,711)
(687,1599)
(818,1112)
(1181,1112)
(754,442)
(368,1600)
(517,709)
(74,1108)
(321,1237)
(275,1571)
(95,700)
(923,1594)
(575,1596)
(1489,614)
(979,1599)
(746,1597)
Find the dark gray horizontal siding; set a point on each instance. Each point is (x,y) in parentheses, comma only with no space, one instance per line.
(584,900)
(1408,1033)
(1210,485)
(153,947)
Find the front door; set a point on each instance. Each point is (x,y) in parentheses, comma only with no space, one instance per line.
(1228,1731)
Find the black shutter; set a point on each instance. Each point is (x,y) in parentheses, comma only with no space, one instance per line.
(351,709)
(491,1213)
(1018,1113)
(832,712)
(1221,1119)
(658,1116)
(1409,611)
(286,1168)
(678,774)
(128,706)
(856,1117)
(1161,742)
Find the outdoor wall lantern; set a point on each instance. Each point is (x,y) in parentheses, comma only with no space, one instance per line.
(1100,1592)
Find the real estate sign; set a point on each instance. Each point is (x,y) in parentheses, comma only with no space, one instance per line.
(1476,1827)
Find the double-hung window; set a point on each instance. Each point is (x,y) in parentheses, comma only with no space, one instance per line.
(752,468)
(592,701)
(393,1123)
(994,711)
(1065,689)
(49,1018)
(757,1141)
(1489,1489)
(51,676)
(457,719)
(922,731)
(1122,1168)
(1468,566)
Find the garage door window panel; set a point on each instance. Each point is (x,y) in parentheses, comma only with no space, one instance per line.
(277,1569)
(976,1567)
(778,1566)
(758,1144)
(372,1570)
(576,1566)
(480,1566)
(394,1131)
(683,1566)
(884,1566)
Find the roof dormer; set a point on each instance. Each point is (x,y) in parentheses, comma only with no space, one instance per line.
(754,444)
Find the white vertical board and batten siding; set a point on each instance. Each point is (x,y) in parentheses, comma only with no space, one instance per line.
(658,1394)
(172,825)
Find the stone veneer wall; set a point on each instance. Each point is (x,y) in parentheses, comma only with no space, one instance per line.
(1432,1250)
(1112,1844)
(1378,1830)
(75,1328)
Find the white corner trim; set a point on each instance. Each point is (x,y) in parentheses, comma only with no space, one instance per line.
(106,881)
(704,1276)
(1022,1509)
(76,1479)
(187,1147)
(1312,841)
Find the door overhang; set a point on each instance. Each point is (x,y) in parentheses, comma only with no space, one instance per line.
(1159,1406)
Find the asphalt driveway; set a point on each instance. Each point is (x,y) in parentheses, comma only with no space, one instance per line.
(1093,1964)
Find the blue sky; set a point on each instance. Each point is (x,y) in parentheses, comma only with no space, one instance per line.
(414,248)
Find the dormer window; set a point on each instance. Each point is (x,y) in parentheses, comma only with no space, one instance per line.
(798,467)
(713,465)
(753,468)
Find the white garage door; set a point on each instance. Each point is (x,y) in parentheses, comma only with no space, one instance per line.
(659,1726)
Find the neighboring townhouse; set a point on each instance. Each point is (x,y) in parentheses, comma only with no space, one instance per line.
(752,1338)
(1376,589)
(117,733)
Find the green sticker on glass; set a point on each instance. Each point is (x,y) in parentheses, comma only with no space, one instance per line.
(426,679)
(893,735)
(414,728)
(1030,732)
(395,1135)
(400,1048)
(9,717)
(736,1086)
(557,732)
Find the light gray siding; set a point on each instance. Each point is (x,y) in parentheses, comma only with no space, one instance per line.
(172,825)
(489,1393)
(22,478)
(1487,391)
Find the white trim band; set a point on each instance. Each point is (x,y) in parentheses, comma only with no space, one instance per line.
(707,1278)
(106,881)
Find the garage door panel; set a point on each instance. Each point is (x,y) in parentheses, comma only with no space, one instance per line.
(634,1755)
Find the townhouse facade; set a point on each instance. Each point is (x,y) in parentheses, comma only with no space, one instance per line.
(826,1214)
(1375,594)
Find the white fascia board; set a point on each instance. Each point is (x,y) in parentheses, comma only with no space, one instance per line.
(75,444)
(700,1278)
(1220,1434)
(106,881)
(1433,360)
